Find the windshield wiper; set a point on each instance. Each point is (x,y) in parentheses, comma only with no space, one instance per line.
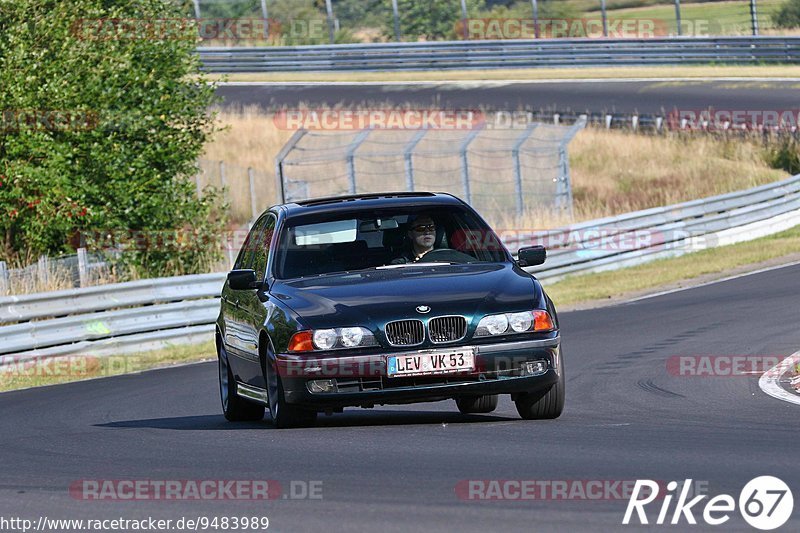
(406,265)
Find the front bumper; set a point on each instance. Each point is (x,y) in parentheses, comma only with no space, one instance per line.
(362,380)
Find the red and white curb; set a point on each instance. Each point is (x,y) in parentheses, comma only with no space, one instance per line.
(770,381)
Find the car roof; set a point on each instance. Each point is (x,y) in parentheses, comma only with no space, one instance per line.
(317,206)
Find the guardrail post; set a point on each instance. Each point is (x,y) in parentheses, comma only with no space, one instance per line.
(3,277)
(678,16)
(518,167)
(465,162)
(253,203)
(351,158)
(408,154)
(331,29)
(754,17)
(83,267)
(280,187)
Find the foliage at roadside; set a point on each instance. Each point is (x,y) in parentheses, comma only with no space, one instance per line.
(788,16)
(100,131)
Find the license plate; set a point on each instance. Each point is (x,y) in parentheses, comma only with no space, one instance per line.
(431,363)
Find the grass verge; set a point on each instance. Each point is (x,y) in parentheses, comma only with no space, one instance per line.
(505,75)
(689,269)
(22,375)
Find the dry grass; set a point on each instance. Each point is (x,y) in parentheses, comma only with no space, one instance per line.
(613,172)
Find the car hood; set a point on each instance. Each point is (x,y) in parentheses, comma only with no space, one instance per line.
(372,298)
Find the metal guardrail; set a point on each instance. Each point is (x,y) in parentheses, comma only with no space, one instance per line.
(146,314)
(502,54)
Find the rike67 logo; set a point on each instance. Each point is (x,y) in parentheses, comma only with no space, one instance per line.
(765,503)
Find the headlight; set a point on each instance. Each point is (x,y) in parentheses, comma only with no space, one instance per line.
(520,321)
(352,336)
(331,339)
(325,339)
(492,325)
(506,323)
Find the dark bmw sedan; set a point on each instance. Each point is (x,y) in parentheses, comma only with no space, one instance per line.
(383,299)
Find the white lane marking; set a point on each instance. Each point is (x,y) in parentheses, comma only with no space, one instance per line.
(712,282)
(485,83)
(770,381)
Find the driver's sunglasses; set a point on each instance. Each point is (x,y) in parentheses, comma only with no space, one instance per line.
(424,228)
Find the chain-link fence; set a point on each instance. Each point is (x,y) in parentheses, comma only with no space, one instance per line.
(499,172)
(49,274)
(308,22)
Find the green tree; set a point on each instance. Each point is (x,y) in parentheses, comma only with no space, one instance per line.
(101,127)
(430,19)
(788,16)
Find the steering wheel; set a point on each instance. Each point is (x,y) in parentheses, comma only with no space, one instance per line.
(445,255)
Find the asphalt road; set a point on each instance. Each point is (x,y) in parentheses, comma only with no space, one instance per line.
(647,97)
(396,468)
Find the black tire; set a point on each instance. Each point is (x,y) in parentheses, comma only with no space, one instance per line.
(234,407)
(285,415)
(478,404)
(544,404)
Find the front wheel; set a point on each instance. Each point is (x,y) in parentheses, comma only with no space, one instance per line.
(547,404)
(234,408)
(478,404)
(285,415)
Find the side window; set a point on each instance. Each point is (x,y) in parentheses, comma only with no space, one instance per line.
(246,254)
(261,252)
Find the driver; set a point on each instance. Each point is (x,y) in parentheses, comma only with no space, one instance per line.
(421,236)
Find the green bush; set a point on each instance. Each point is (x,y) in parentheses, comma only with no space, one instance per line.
(788,16)
(100,131)
(784,153)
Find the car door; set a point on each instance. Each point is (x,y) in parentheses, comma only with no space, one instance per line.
(238,339)
(252,306)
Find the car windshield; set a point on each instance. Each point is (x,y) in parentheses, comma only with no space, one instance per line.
(397,238)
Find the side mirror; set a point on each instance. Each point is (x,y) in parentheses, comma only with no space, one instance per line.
(532,255)
(242,280)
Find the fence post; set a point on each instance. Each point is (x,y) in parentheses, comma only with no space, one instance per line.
(280,188)
(605,17)
(535,18)
(518,167)
(464,17)
(253,203)
(465,162)
(396,13)
(351,158)
(331,29)
(3,277)
(83,267)
(43,269)
(197,9)
(222,180)
(265,14)
(408,155)
(754,16)
(197,182)
(678,16)
(564,184)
